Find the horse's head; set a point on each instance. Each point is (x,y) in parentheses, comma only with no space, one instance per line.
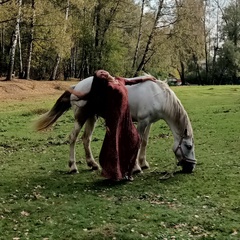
(184,152)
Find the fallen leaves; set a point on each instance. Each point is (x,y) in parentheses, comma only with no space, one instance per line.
(25,214)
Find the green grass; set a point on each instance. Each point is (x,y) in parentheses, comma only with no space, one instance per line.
(38,200)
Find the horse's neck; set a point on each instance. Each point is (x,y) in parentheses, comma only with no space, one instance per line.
(178,127)
(177,118)
(176,130)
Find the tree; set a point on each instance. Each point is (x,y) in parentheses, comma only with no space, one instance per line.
(14,41)
(73,38)
(147,55)
(30,48)
(231,32)
(187,37)
(139,35)
(58,58)
(228,64)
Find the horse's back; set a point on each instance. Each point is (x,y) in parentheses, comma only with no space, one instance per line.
(146,101)
(82,86)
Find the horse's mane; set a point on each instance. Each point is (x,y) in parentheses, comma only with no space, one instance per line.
(175,110)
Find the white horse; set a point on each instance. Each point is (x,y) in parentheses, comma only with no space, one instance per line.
(149,102)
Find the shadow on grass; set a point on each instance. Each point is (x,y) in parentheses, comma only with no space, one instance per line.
(87,181)
(94,179)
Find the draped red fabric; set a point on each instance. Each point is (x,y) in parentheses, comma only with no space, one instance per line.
(122,141)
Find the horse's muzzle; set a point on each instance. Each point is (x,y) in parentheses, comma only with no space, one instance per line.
(187,167)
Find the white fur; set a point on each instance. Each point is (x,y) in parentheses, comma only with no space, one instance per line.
(149,102)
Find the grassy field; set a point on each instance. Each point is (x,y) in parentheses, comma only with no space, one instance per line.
(38,200)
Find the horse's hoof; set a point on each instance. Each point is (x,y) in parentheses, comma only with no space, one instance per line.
(144,164)
(93,166)
(137,171)
(145,167)
(74,171)
(128,178)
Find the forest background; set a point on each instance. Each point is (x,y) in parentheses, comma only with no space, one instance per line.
(196,41)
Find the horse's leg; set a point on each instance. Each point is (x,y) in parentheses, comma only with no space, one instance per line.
(137,168)
(142,151)
(80,118)
(72,138)
(141,127)
(86,138)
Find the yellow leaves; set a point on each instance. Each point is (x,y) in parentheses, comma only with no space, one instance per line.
(25,213)
(234,233)
(8,11)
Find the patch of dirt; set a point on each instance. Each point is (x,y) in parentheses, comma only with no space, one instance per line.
(19,89)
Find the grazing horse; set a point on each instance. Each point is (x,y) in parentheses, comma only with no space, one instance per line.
(149,102)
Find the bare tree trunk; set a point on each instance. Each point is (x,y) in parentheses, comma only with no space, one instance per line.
(215,50)
(101,27)
(73,61)
(214,63)
(139,36)
(85,63)
(182,72)
(54,74)
(58,58)
(14,42)
(20,56)
(205,42)
(67,10)
(97,52)
(150,38)
(30,48)
(2,50)
(195,60)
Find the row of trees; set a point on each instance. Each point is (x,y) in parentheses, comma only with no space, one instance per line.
(196,40)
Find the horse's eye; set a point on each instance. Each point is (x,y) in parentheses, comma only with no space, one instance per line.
(189,147)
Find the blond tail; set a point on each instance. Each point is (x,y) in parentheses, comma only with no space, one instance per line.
(48,119)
